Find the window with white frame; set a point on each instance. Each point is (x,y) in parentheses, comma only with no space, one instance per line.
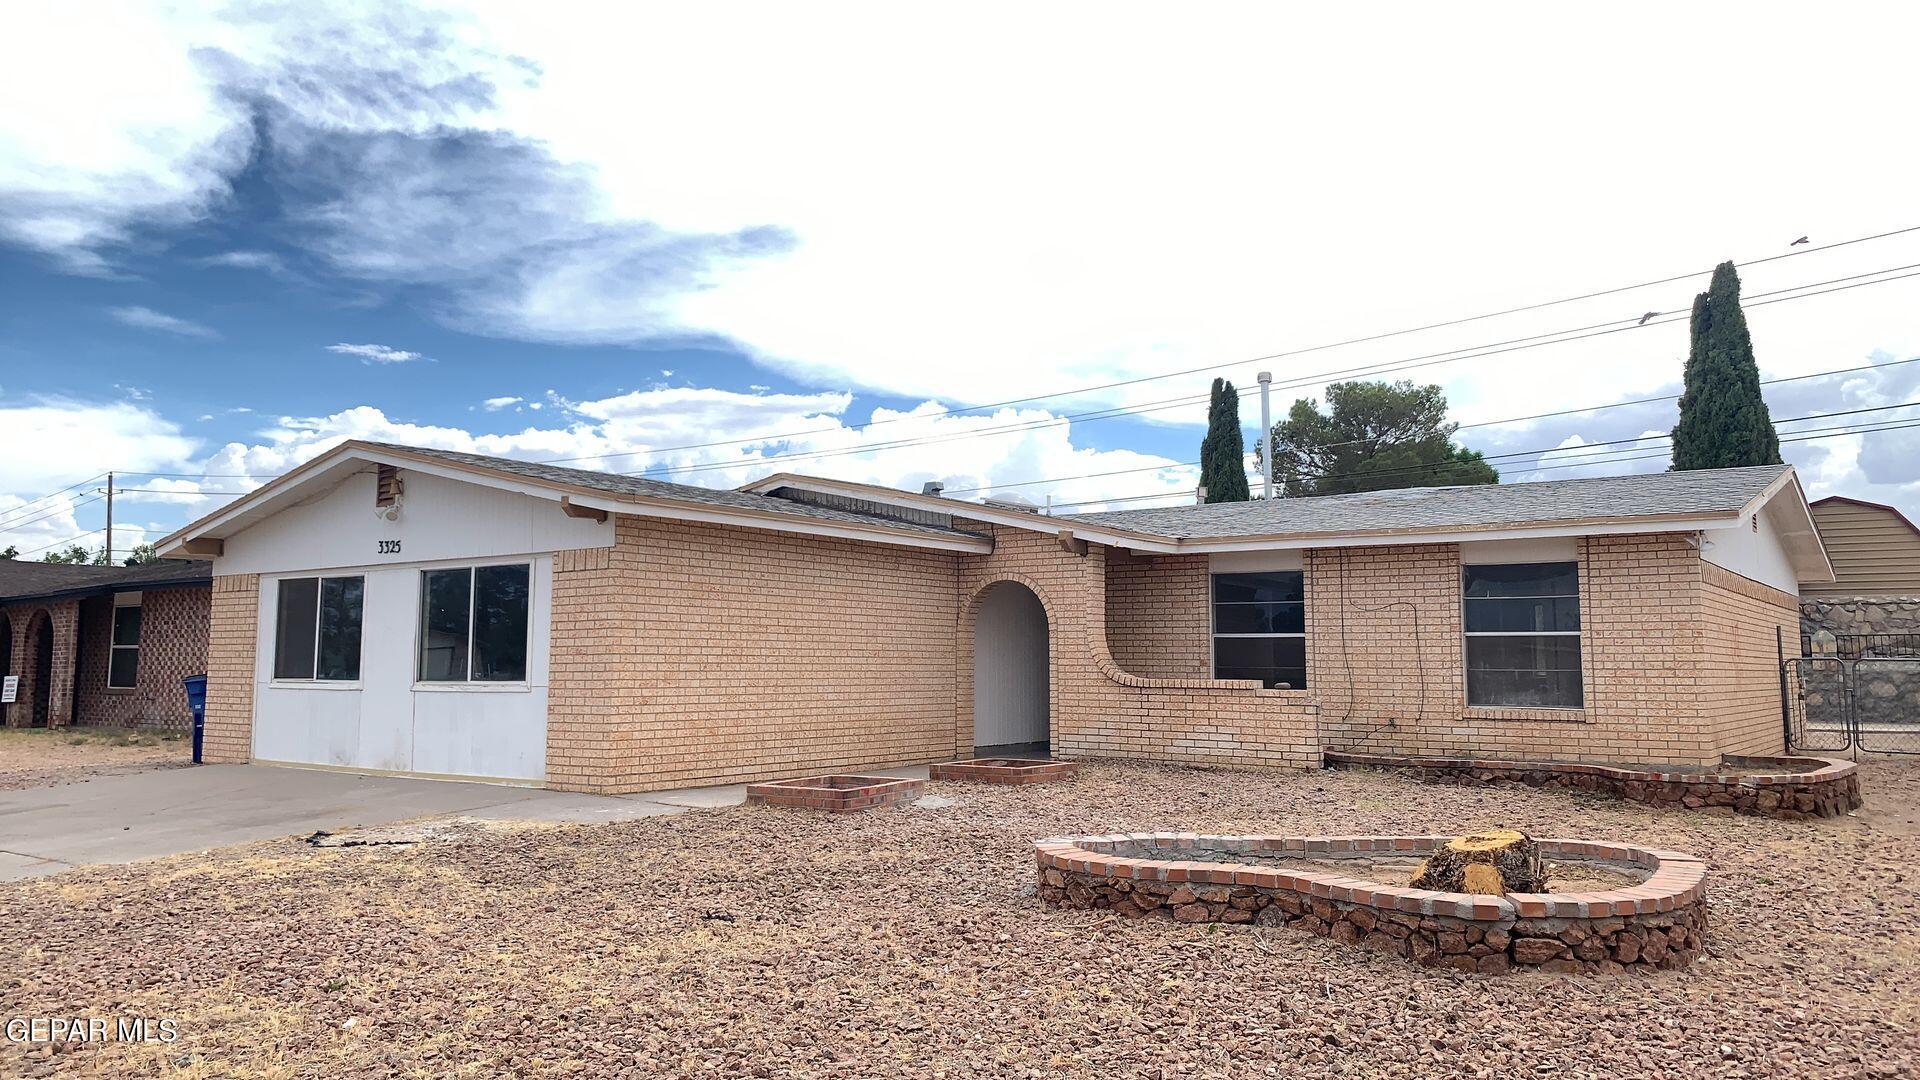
(1260,628)
(316,635)
(123,665)
(1522,625)
(473,624)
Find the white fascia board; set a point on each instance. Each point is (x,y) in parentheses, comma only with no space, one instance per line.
(612,504)
(781,523)
(1457,536)
(1784,503)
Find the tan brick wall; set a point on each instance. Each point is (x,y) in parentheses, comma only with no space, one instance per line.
(1158,621)
(705,654)
(1100,710)
(1386,656)
(173,645)
(235,616)
(1740,673)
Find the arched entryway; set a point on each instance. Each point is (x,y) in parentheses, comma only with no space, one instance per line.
(40,642)
(1010,671)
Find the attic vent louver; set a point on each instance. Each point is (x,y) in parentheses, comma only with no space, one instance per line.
(387,488)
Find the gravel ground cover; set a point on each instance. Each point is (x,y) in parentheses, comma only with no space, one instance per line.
(906,943)
(42,757)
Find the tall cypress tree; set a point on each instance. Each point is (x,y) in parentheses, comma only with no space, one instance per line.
(1223,463)
(1724,421)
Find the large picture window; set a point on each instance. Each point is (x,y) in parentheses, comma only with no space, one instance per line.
(1260,628)
(1523,635)
(316,634)
(123,666)
(473,624)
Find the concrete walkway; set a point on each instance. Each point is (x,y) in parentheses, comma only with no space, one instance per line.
(126,818)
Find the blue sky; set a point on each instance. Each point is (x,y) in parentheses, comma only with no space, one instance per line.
(232,236)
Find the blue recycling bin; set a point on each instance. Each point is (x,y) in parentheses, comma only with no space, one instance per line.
(197,701)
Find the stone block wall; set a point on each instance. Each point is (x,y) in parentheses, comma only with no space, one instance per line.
(1657,924)
(1860,615)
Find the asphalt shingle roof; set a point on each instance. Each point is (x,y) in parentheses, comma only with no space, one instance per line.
(23,580)
(1701,492)
(615,484)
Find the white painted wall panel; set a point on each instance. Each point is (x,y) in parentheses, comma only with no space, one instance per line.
(1010,679)
(1756,554)
(386,722)
(439,519)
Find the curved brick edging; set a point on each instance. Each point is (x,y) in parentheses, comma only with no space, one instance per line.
(1829,790)
(1243,879)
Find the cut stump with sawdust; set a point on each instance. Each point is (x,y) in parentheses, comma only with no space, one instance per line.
(1488,863)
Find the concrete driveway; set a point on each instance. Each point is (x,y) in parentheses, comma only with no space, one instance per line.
(121,819)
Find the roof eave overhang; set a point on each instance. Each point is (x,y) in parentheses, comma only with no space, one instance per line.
(248,508)
(1151,542)
(1785,503)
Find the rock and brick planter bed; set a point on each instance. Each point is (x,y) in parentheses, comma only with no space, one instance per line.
(838,793)
(1653,918)
(1775,787)
(1014,771)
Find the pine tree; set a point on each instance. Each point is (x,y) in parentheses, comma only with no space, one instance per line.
(1223,463)
(1724,421)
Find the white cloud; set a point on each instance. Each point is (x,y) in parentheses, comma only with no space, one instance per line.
(376,354)
(145,318)
(721,438)
(495,404)
(1184,192)
(83,437)
(264,261)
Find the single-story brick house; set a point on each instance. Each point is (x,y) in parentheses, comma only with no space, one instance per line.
(102,645)
(402,609)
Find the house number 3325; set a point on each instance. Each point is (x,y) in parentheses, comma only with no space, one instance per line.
(389,547)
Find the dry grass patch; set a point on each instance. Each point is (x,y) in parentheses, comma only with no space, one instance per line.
(41,757)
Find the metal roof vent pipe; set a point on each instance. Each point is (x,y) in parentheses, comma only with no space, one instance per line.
(933,488)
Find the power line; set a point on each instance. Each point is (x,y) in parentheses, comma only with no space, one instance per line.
(1257,359)
(1218,366)
(57,491)
(16,526)
(1790,437)
(1461,427)
(1378,368)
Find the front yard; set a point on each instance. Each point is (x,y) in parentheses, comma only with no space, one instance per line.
(763,942)
(38,757)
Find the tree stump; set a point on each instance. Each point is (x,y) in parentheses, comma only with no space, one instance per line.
(1488,863)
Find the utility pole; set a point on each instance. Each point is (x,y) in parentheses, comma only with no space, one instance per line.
(109,519)
(1266,435)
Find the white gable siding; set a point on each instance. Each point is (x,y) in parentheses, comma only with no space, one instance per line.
(439,519)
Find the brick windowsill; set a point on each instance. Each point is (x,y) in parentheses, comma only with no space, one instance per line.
(1526,716)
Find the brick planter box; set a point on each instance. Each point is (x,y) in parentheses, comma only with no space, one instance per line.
(839,793)
(1005,770)
(1776,787)
(1656,924)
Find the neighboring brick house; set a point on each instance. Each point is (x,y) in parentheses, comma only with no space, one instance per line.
(102,645)
(390,608)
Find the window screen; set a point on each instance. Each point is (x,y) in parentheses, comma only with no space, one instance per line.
(1259,628)
(1522,625)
